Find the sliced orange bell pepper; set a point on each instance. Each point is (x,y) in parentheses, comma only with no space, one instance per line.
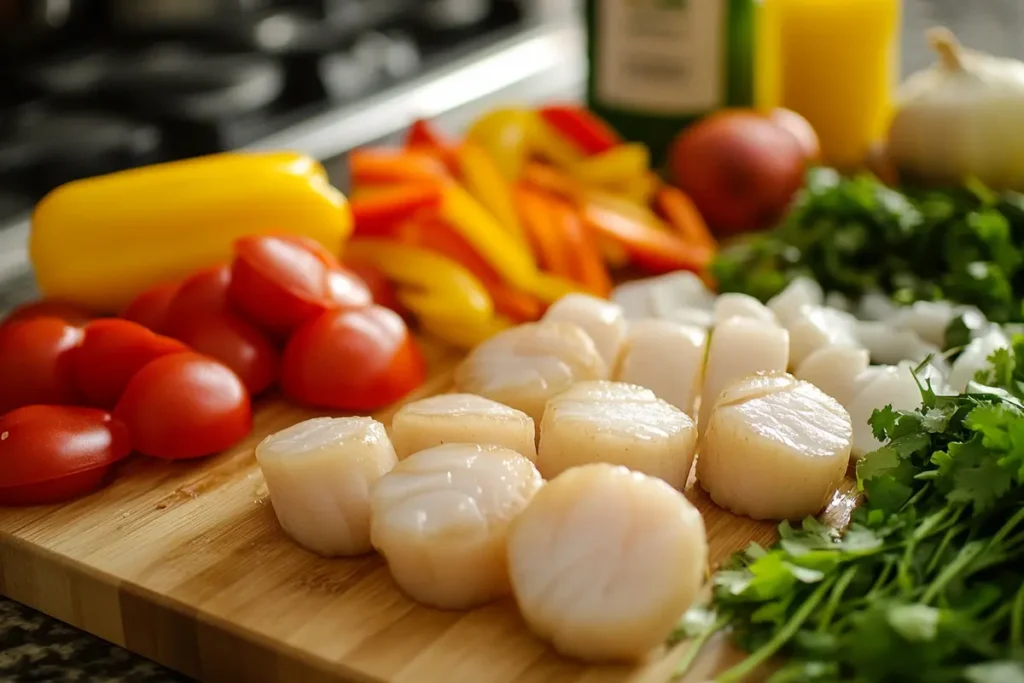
(654,250)
(431,232)
(617,166)
(375,211)
(683,215)
(424,137)
(614,255)
(587,266)
(374,165)
(546,234)
(485,182)
(587,132)
(546,177)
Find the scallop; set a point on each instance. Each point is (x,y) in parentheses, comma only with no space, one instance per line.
(667,358)
(695,317)
(658,296)
(880,386)
(604,561)
(461,418)
(524,366)
(834,369)
(619,424)
(888,345)
(801,292)
(601,319)
(776,448)
(319,474)
(440,519)
(740,347)
(816,327)
(975,357)
(736,305)
(927,319)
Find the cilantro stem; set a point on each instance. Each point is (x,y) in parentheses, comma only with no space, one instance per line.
(781,637)
(963,558)
(835,597)
(1017,622)
(684,664)
(1005,530)
(940,551)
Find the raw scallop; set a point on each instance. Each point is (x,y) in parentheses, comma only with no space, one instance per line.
(601,319)
(604,561)
(659,296)
(525,366)
(776,448)
(740,347)
(440,519)
(667,358)
(319,474)
(880,386)
(801,292)
(816,327)
(834,369)
(619,424)
(461,418)
(736,305)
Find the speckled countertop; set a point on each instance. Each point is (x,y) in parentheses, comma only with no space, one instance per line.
(39,649)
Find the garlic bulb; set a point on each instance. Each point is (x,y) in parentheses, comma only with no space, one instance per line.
(961,118)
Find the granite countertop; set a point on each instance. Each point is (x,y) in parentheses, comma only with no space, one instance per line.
(36,648)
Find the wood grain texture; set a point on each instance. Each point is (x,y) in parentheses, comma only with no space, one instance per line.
(184,563)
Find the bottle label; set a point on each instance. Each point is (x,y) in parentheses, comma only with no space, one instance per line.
(661,56)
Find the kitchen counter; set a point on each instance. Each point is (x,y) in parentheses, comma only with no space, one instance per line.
(34,647)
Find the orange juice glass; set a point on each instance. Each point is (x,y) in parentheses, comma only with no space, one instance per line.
(836,62)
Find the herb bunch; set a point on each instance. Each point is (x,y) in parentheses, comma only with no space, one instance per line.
(927,583)
(855,235)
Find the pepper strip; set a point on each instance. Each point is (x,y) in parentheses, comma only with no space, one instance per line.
(587,265)
(464,335)
(617,166)
(424,137)
(587,132)
(374,166)
(683,215)
(549,144)
(486,183)
(430,285)
(374,211)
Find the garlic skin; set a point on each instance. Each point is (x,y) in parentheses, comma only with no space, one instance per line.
(960,119)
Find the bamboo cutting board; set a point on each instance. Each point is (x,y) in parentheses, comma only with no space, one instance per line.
(184,563)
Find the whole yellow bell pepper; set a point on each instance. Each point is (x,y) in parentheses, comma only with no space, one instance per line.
(101,241)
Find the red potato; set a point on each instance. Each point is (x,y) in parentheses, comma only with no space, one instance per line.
(185,406)
(110,354)
(236,343)
(740,168)
(36,363)
(801,128)
(50,454)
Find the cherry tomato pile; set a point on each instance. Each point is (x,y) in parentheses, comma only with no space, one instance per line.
(174,377)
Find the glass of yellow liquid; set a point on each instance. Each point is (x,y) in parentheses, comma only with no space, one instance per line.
(835,62)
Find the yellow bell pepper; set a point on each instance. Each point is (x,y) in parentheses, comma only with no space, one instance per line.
(505,135)
(463,335)
(101,241)
(641,189)
(430,285)
(505,254)
(486,183)
(550,145)
(619,165)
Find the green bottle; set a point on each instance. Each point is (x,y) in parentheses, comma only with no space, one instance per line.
(655,66)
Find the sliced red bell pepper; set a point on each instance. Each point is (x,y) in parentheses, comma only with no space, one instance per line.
(424,137)
(683,215)
(587,132)
(546,236)
(587,264)
(374,166)
(375,212)
(652,249)
(432,232)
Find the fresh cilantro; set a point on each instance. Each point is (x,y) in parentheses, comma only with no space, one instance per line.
(927,583)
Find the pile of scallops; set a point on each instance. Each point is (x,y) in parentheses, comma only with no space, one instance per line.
(554,472)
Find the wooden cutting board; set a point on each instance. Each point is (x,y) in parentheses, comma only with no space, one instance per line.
(184,563)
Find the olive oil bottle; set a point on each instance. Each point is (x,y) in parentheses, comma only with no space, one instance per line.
(655,66)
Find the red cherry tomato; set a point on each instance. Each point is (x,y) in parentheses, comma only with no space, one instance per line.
(202,293)
(357,360)
(149,309)
(347,290)
(110,354)
(185,406)
(73,314)
(50,454)
(236,343)
(36,363)
(381,289)
(281,282)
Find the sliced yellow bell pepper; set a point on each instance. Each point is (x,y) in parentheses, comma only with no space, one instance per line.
(618,166)
(550,288)
(429,285)
(505,135)
(463,335)
(485,182)
(508,256)
(101,241)
(641,189)
(550,145)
